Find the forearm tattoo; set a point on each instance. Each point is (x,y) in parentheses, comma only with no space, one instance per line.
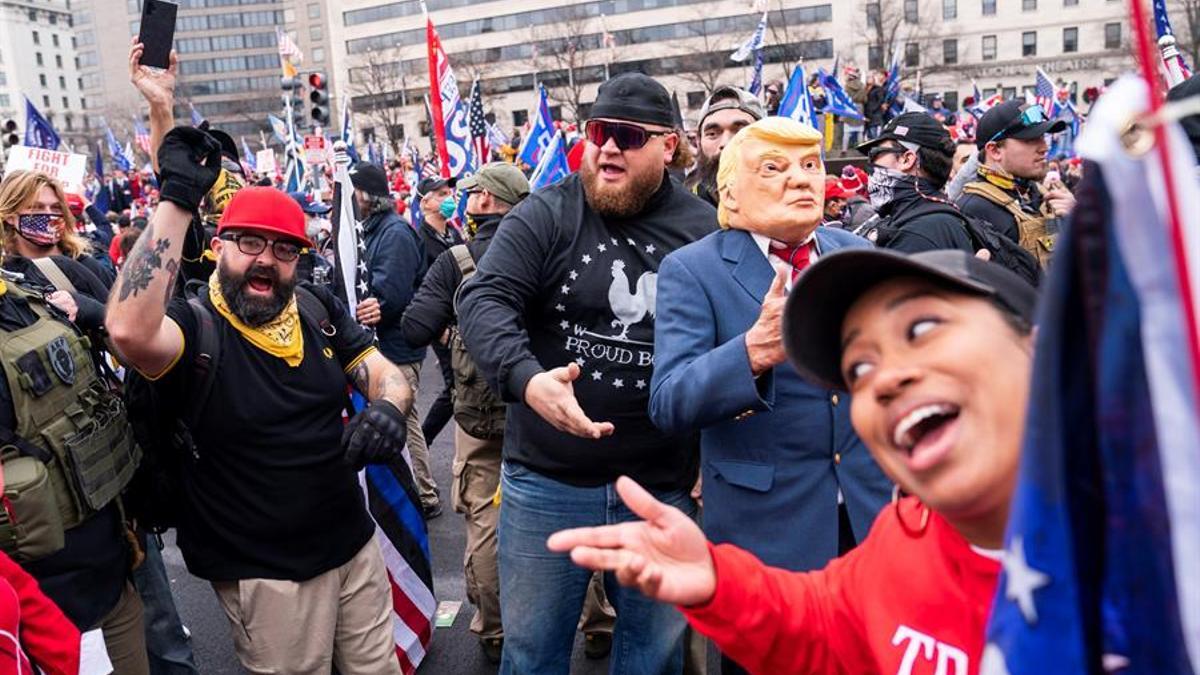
(146,257)
(393,386)
(361,377)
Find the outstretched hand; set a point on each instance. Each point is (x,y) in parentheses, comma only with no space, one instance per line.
(664,555)
(552,396)
(157,86)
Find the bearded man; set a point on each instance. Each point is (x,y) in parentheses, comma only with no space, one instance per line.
(784,475)
(725,113)
(560,319)
(271,510)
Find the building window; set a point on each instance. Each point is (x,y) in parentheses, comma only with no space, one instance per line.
(1070,3)
(989,7)
(318,55)
(66,103)
(950,98)
(37,39)
(53,18)
(315,33)
(58,60)
(874,57)
(1028,5)
(38,58)
(82,103)
(949,9)
(910,11)
(520,117)
(62,82)
(1070,40)
(1029,43)
(314,10)
(289,15)
(950,51)
(54,39)
(1009,93)
(872,15)
(1112,36)
(45,101)
(989,47)
(695,99)
(912,55)
(42,79)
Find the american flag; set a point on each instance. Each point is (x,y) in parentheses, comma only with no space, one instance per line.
(287,48)
(141,136)
(1043,91)
(1162,26)
(390,493)
(479,126)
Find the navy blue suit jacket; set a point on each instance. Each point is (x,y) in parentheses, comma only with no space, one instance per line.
(774,449)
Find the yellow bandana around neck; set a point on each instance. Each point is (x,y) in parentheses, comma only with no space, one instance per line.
(280,336)
(998,177)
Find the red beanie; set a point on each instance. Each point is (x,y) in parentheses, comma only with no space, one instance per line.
(266,209)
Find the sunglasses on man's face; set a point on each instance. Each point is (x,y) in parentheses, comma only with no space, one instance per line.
(1030,117)
(626,136)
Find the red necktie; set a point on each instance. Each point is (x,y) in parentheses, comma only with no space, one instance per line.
(796,256)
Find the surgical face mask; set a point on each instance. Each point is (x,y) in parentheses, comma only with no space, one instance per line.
(448,207)
(41,229)
(881,185)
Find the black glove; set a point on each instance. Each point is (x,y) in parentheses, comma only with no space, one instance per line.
(375,436)
(189,162)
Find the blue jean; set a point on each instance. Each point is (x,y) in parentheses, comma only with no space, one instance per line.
(541,593)
(167,645)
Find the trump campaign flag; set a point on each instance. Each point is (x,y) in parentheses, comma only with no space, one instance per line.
(837,101)
(553,166)
(797,102)
(114,148)
(39,133)
(1100,568)
(449,116)
(753,43)
(541,132)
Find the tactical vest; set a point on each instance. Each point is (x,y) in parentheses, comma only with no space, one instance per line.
(1035,236)
(477,409)
(71,451)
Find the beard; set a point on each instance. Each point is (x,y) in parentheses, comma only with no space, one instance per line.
(619,201)
(252,310)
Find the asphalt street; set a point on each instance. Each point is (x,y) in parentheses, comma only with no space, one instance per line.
(455,650)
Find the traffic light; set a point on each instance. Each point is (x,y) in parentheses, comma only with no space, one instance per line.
(319,96)
(10,137)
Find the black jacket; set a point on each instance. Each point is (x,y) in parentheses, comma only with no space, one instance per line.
(1026,194)
(396,262)
(559,284)
(873,110)
(908,229)
(435,244)
(431,311)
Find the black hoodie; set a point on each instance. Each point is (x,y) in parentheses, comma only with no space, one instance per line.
(559,284)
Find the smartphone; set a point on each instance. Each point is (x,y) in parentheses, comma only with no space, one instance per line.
(1053,177)
(157,33)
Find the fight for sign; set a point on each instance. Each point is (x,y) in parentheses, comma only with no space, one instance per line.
(65,167)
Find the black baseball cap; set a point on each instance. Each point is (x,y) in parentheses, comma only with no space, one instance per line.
(913,127)
(634,97)
(370,179)
(824,294)
(1006,120)
(428,185)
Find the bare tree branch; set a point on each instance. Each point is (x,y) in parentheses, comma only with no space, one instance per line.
(379,89)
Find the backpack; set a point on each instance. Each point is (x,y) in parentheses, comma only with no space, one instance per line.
(477,409)
(70,451)
(1036,234)
(1003,250)
(164,433)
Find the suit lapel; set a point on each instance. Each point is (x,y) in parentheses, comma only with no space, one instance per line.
(748,265)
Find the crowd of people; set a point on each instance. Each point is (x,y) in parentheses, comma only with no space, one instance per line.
(695,391)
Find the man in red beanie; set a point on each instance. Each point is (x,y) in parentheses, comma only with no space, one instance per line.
(271,510)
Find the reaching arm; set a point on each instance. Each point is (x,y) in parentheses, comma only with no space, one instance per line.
(158,88)
(137,321)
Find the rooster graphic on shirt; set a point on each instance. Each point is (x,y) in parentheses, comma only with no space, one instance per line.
(630,306)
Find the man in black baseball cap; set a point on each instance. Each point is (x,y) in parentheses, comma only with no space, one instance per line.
(907,166)
(722,115)
(813,319)
(1011,138)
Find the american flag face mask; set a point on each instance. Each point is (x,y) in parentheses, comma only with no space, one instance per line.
(42,229)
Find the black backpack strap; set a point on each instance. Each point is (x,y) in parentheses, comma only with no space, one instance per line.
(314,312)
(204,362)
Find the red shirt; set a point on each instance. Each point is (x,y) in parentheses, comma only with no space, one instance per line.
(899,603)
(47,636)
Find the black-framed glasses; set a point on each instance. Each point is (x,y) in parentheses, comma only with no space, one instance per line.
(1031,116)
(626,136)
(254,244)
(879,151)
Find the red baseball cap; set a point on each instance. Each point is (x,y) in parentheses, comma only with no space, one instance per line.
(265,209)
(833,189)
(75,203)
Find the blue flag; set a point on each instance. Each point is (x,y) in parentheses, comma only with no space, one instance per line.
(756,77)
(120,161)
(837,101)
(248,156)
(553,166)
(894,106)
(39,133)
(101,198)
(197,118)
(1100,561)
(797,102)
(541,132)
(753,43)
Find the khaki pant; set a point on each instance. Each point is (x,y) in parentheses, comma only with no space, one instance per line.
(476,479)
(340,618)
(125,635)
(417,449)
